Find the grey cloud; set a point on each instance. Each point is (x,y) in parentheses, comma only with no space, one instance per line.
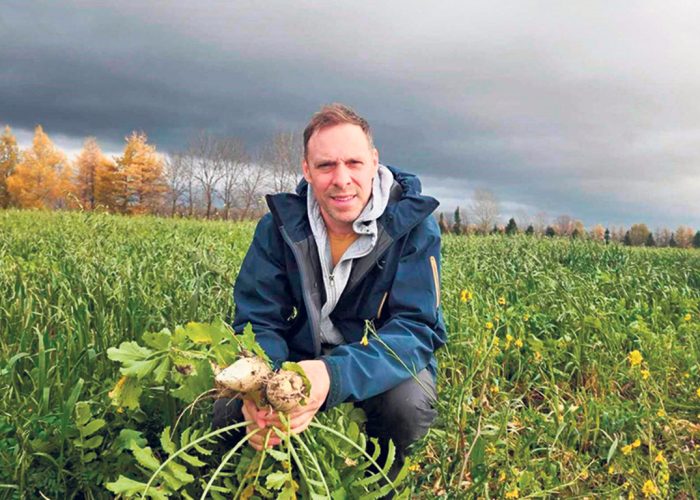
(587,109)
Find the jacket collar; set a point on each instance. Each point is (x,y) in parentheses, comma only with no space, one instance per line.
(407,207)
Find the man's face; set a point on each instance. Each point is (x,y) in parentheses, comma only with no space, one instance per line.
(339,167)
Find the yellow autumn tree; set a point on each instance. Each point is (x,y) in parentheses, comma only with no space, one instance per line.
(144,179)
(97,181)
(9,157)
(42,177)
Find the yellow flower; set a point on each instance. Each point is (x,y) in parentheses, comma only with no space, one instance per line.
(698,392)
(630,495)
(686,375)
(626,485)
(611,470)
(509,340)
(627,449)
(526,317)
(584,474)
(501,477)
(518,343)
(687,317)
(489,325)
(502,301)
(414,468)
(649,488)
(538,356)
(494,389)
(491,449)
(660,459)
(514,493)
(661,413)
(465,296)
(635,358)
(636,443)
(645,374)
(364,340)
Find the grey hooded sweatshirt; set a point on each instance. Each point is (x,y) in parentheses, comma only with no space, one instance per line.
(335,278)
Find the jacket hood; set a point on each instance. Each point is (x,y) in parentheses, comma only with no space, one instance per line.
(407,207)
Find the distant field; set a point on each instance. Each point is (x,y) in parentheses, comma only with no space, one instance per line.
(572,368)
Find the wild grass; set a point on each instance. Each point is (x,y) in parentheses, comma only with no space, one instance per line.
(572,368)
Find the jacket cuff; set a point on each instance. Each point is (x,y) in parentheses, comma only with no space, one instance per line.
(334,397)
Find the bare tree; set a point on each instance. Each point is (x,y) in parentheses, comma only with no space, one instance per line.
(282,157)
(178,175)
(662,236)
(484,210)
(234,159)
(564,225)
(205,154)
(539,222)
(251,190)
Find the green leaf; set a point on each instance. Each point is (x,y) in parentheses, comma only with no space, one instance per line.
(139,369)
(145,457)
(247,341)
(128,352)
(126,393)
(128,438)
(276,480)
(159,341)
(278,455)
(193,385)
(177,475)
(92,427)
(161,372)
(612,449)
(203,333)
(93,442)
(89,457)
(166,442)
(82,413)
(129,488)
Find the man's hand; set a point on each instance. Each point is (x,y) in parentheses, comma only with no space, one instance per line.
(317,373)
(299,418)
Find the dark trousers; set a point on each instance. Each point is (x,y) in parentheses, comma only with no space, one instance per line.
(403,414)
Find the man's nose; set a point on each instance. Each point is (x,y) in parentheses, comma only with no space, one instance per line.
(342,175)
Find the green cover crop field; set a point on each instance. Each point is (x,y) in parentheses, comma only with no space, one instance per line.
(572,368)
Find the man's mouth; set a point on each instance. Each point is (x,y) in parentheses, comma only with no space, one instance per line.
(343,198)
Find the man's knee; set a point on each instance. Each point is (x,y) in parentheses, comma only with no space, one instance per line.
(403,413)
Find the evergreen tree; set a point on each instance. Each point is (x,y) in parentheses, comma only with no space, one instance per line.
(696,240)
(550,232)
(495,230)
(607,236)
(530,230)
(512,227)
(628,240)
(444,228)
(576,234)
(457,226)
(672,242)
(650,241)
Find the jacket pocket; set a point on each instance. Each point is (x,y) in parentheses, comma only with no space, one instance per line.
(436,280)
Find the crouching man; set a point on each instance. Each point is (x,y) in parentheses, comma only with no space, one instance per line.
(356,242)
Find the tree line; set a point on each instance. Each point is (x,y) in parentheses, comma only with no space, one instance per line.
(217,177)
(483,215)
(211,176)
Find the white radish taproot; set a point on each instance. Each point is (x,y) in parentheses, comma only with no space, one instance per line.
(247,375)
(285,390)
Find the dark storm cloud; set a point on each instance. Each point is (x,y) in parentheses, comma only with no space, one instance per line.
(583,109)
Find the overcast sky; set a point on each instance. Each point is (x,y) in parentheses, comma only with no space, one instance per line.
(585,108)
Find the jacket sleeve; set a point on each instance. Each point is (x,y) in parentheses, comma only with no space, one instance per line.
(412,332)
(262,291)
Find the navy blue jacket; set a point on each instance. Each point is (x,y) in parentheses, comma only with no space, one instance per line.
(279,290)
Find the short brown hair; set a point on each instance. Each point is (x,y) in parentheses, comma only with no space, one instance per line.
(335,114)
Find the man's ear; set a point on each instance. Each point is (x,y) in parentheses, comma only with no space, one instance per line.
(375,158)
(305,170)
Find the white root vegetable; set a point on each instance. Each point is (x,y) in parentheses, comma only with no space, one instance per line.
(285,390)
(247,375)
